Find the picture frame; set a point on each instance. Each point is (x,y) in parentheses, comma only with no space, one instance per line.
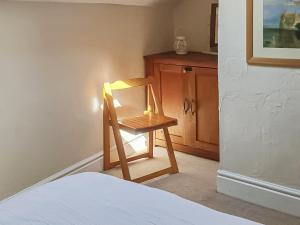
(214,26)
(274,52)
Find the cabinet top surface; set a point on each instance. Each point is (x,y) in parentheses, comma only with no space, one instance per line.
(191,59)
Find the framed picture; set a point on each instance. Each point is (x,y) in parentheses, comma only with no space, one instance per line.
(214,26)
(273,32)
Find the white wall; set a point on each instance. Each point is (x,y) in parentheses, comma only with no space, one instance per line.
(192,19)
(259,109)
(54,59)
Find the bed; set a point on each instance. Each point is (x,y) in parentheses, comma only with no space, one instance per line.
(98,199)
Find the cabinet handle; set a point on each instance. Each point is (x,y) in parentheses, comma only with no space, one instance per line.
(186,105)
(188,69)
(193,107)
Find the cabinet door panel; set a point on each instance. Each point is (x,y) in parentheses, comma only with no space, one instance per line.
(202,122)
(171,93)
(207,113)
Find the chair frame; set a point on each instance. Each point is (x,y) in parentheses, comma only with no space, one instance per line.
(110,119)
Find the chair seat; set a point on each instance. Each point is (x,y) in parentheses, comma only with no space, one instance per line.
(146,123)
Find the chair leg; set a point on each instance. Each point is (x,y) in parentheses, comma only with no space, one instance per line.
(170,150)
(150,144)
(121,153)
(106,139)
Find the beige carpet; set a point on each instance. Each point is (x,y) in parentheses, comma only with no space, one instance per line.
(197,182)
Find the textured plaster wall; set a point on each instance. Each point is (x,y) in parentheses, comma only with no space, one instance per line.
(259,108)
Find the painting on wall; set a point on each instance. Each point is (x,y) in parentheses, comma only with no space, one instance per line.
(273,32)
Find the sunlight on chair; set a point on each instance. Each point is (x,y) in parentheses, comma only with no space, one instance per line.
(119,85)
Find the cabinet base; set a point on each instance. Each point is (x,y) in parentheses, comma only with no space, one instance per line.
(190,150)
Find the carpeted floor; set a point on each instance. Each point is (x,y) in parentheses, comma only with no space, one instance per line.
(197,182)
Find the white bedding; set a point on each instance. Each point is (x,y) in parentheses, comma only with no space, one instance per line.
(97,199)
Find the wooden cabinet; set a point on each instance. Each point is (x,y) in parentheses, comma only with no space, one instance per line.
(188,89)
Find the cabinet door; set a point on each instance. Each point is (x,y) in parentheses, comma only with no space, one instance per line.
(203,119)
(170,79)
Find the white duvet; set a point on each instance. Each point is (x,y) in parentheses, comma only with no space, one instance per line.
(97,199)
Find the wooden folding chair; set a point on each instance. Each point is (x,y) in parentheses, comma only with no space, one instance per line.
(149,122)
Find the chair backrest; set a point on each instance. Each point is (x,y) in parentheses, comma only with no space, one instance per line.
(136,82)
(131,83)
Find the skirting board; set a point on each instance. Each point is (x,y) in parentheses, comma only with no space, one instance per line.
(259,192)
